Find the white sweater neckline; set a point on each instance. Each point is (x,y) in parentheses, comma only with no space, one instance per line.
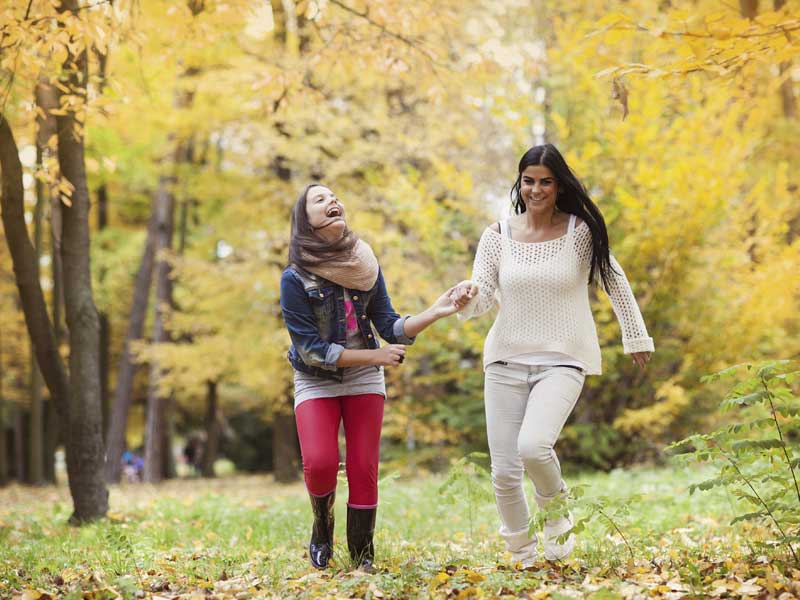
(559,238)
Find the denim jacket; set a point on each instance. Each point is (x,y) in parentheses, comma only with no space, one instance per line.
(314,313)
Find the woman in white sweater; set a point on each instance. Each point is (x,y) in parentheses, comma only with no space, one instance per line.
(538,266)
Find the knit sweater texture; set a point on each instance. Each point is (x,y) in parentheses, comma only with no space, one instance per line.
(543,293)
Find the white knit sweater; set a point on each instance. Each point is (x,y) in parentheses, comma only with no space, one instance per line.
(543,292)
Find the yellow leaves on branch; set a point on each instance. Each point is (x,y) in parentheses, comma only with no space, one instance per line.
(717,43)
(41,44)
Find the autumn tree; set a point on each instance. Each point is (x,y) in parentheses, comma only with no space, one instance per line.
(76,394)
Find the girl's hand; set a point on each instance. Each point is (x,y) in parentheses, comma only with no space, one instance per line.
(641,358)
(389,356)
(445,305)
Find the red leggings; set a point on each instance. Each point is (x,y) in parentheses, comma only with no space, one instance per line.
(318,429)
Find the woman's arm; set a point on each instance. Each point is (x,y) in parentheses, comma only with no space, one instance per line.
(635,339)
(443,307)
(390,325)
(394,328)
(485,268)
(386,356)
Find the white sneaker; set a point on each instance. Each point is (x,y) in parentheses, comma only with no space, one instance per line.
(527,563)
(522,547)
(552,530)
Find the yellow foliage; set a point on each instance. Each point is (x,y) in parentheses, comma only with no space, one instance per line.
(416,117)
(653,420)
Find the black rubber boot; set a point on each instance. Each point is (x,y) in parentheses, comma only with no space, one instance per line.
(320,549)
(360,530)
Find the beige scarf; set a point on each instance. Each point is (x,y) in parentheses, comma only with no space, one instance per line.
(358,272)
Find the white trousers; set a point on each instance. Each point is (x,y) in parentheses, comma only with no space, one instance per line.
(526,408)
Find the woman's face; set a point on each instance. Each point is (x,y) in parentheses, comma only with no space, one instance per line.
(325,212)
(538,188)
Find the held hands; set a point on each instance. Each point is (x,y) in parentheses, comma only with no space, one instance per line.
(454,299)
(462,293)
(449,303)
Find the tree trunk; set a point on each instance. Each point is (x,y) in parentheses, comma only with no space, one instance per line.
(47,100)
(23,257)
(102,223)
(52,437)
(105,326)
(3,435)
(285,447)
(85,452)
(788,98)
(104,360)
(20,468)
(279,21)
(159,460)
(168,456)
(36,421)
(155,429)
(126,370)
(748,8)
(213,430)
(54,431)
(3,448)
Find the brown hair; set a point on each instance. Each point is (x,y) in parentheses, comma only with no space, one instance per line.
(309,249)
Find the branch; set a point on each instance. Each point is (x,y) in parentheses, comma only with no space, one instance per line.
(27,21)
(778,31)
(398,36)
(780,435)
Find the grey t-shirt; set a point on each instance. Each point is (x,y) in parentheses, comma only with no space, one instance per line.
(356,380)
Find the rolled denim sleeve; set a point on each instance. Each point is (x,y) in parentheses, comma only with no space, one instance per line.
(386,320)
(302,325)
(333,354)
(400,331)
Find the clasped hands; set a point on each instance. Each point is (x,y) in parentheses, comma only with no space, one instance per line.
(456,298)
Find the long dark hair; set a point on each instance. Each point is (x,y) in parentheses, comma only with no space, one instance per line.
(572,198)
(306,247)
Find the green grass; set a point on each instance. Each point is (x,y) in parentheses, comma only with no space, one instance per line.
(247,536)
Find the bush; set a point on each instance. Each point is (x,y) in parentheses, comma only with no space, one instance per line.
(754,453)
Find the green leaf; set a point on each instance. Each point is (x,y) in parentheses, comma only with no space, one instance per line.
(745,400)
(750,517)
(724,373)
(760,444)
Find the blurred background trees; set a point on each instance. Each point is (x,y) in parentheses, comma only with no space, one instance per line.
(202,120)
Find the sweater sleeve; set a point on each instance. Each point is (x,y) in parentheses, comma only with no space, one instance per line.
(484,273)
(634,331)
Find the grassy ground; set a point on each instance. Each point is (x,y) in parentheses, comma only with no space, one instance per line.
(238,537)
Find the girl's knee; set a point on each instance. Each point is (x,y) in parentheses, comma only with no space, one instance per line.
(320,469)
